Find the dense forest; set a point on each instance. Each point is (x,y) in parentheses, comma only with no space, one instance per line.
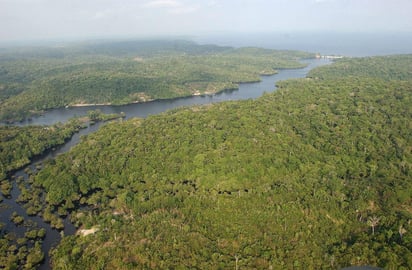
(36,79)
(316,175)
(395,67)
(18,147)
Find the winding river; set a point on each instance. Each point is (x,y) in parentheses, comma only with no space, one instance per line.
(245,91)
(142,110)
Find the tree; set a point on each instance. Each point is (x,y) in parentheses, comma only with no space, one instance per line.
(401,231)
(373,222)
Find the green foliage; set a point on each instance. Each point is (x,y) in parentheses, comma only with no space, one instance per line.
(19,144)
(97,115)
(5,188)
(294,179)
(396,67)
(16,219)
(34,257)
(21,253)
(35,80)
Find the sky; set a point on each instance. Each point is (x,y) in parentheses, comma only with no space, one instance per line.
(85,19)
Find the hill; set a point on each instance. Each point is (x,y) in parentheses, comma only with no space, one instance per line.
(316,175)
(36,79)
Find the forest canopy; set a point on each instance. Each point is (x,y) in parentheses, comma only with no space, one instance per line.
(316,175)
(37,79)
(18,145)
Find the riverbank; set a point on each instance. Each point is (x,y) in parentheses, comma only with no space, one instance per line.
(25,225)
(89,79)
(87,105)
(142,110)
(285,158)
(245,91)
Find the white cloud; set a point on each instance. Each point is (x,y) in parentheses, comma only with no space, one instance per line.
(183,10)
(172,6)
(37,19)
(101,14)
(212,3)
(163,4)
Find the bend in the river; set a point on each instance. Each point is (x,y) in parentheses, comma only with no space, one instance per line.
(245,91)
(142,110)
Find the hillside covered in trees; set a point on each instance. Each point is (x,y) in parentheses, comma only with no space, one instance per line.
(21,248)
(36,79)
(316,175)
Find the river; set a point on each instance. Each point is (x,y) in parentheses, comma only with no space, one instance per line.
(9,204)
(245,91)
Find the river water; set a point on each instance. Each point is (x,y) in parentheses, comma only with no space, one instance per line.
(9,205)
(245,91)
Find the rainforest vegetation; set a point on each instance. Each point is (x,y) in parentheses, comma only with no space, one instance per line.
(18,147)
(316,175)
(37,79)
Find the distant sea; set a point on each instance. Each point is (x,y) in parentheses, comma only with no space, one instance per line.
(326,43)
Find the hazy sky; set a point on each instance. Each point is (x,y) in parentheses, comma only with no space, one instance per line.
(56,19)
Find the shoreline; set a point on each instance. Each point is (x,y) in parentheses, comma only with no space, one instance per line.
(235,86)
(87,105)
(197,93)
